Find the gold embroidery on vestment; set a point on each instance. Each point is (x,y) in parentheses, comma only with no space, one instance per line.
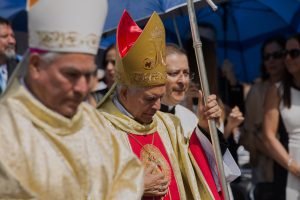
(149,154)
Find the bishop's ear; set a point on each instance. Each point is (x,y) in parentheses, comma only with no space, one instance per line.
(35,63)
(123,92)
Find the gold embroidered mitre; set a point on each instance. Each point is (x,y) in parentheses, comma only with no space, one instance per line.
(66,25)
(141,53)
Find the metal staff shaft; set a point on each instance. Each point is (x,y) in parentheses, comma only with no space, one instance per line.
(204,83)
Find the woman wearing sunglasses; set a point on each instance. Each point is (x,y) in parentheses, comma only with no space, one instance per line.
(283,98)
(272,67)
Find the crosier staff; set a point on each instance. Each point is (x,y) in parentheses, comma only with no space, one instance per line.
(204,84)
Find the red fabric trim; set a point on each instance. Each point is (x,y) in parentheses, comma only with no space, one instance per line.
(127,33)
(202,162)
(38,51)
(136,148)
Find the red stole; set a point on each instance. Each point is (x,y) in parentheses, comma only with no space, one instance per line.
(137,148)
(202,162)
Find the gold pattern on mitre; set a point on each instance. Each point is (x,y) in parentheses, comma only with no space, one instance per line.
(144,64)
(53,27)
(56,39)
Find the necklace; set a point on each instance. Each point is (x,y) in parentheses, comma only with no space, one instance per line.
(150,154)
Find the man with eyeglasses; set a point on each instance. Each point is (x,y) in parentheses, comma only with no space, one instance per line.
(178,80)
(177,85)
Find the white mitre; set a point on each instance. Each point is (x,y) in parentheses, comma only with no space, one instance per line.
(66,25)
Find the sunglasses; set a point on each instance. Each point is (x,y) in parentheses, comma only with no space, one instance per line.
(293,53)
(274,55)
(113,62)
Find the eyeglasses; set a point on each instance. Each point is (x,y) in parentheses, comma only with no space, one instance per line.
(177,74)
(113,62)
(274,55)
(293,53)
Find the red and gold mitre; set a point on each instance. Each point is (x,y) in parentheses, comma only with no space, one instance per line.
(141,53)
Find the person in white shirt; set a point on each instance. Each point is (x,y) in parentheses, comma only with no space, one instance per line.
(178,78)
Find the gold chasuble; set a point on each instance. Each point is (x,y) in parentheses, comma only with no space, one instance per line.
(161,142)
(141,63)
(44,155)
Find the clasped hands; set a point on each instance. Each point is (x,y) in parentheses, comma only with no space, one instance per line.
(155,182)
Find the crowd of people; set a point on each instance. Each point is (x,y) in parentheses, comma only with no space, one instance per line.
(136,127)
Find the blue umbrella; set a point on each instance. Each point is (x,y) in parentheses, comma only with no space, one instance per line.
(141,10)
(10,8)
(16,12)
(241,27)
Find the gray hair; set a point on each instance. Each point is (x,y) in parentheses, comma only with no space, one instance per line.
(174,49)
(47,58)
(121,86)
